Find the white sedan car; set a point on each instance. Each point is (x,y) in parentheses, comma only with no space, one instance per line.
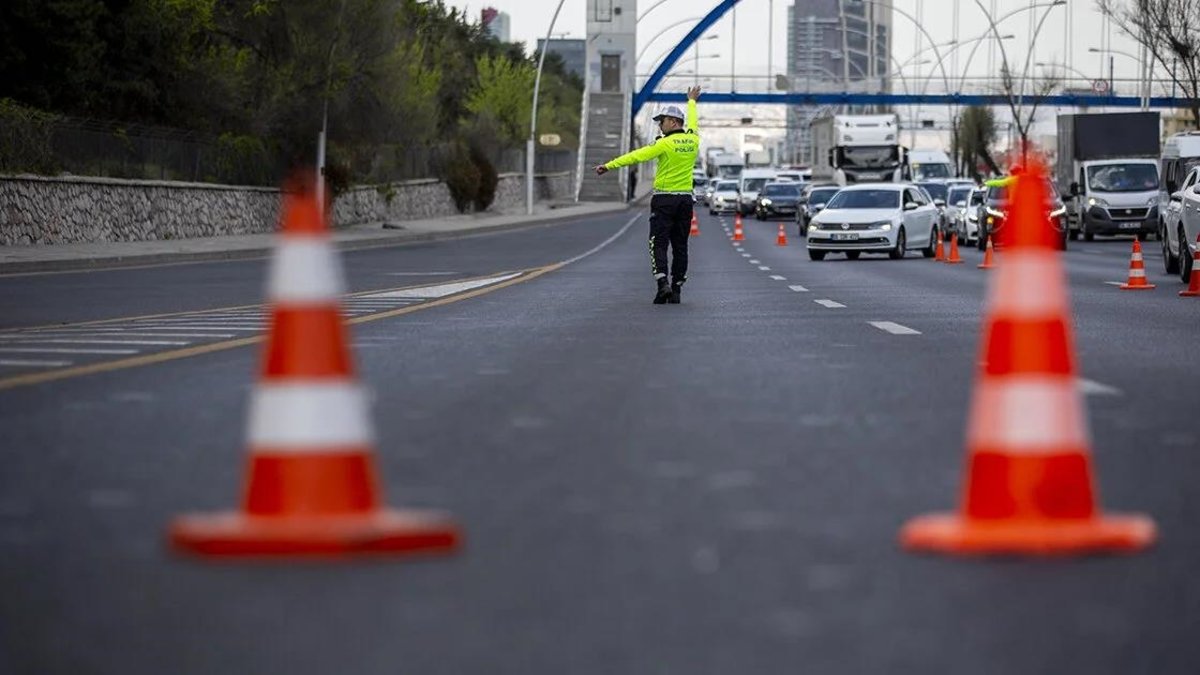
(1180,227)
(724,198)
(875,218)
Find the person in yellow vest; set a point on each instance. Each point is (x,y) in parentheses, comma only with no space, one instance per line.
(671,206)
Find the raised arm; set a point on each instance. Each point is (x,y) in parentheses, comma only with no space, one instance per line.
(693,118)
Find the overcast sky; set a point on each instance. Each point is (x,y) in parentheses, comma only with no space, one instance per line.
(530,20)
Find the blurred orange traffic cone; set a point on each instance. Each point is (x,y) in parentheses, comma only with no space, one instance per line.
(1193,288)
(941,248)
(695,225)
(987,263)
(312,488)
(1137,271)
(1029,483)
(781,238)
(738,233)
(954,259)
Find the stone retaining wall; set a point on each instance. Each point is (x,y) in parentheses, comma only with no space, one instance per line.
(62,210)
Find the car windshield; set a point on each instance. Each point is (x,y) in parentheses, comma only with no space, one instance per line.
(1123,177)
(977,197)
(959,195)
(865,199)
(780,190)
(936,190)
(753,184)
(874,156)
(727,186)
(931,170)
(822,196)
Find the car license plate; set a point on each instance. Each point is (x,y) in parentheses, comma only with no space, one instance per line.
(1130,226)
(847,236)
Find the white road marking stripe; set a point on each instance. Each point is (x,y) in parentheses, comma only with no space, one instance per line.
(776,277)
(30,363)
(1091,387)
(1114,283)
(308,416)
(206,319)
(799,289)
(753,262)
(116,333)
(595,249)
(764,268)
(200,326)
(894,328)
(77,341)
(829,303)
(304,269)
(50,350)
(420,274)
(442,290)
(745,255)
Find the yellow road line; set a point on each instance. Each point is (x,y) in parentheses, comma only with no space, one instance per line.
(186,352)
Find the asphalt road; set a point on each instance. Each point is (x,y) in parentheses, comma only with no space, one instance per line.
(714,487)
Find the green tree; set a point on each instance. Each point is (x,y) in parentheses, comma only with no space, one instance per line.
(504,89)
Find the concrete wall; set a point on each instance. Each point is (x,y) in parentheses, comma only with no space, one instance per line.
(41,210)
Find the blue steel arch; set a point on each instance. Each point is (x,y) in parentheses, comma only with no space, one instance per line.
(643,95)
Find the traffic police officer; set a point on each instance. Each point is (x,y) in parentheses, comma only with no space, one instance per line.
(671,205)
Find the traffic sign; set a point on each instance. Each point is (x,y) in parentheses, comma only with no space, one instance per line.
(1100,86)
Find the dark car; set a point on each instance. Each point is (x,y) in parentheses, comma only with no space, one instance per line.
(813,198)
(777,199)
(993,214)
(939,192)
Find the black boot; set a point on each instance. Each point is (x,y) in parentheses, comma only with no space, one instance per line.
(676,293)
(663,293)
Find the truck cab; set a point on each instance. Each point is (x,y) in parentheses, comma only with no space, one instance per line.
(850,149)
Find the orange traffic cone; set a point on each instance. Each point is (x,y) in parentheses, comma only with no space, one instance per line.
(941,248)
(954,259)
(695,225)
(1137,271)
(987,263)
(738,233)
(312,488)
(1193,288)
(1029,483)
(781,238)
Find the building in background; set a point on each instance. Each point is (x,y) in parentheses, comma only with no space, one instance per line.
(833,45)
(573,53)
(496,23)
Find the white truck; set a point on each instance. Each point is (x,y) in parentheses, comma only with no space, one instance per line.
(1107,170)
(726,165)
(926,165)
(857,149)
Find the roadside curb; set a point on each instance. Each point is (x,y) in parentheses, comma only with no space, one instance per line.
(385,239)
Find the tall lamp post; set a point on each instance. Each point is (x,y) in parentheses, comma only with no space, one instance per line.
(530,149)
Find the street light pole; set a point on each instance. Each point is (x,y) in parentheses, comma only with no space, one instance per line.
(529,145)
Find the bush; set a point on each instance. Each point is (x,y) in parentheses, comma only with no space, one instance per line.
(462,177)
(25,139)
(488,179)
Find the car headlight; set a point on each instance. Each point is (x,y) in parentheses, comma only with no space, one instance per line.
(1059,212)
(813,228)
(766,202)
(1153,201)
(885,225)
(1096,201)
(994,213)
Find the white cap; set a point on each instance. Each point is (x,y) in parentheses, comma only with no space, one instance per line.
(669,111)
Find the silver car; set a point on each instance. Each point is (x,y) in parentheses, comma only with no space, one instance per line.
(958,201)
(724,197)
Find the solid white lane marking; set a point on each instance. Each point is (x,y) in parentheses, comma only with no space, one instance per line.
(113,333)
(776,277)
(1114,283)
(209,319)
(51,350)
(829,303)
(420,274)
(764,268)
(442,290)
(596,249)
(201,326)
(753,262)
(1091,387)
(76,341)
(19,363)
(798,289)
(894,328)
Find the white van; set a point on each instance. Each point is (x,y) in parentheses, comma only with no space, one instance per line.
(750,182)
(926,165)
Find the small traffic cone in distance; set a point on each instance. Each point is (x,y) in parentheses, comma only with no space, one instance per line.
(987,263)
(311,488)
(781,238)
(695,226)
(1029,482)
(1193,289)
(1137,271)
(941,248)
(954,259)
(738,233)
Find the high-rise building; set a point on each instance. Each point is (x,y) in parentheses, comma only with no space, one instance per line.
(573,53)
(496,23)
(834,45)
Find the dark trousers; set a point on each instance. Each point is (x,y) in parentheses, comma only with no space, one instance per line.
(670,225)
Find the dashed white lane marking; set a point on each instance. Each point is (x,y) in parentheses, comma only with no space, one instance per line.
(745,255)
(116,332)
(420,274)
(100,341)
(1091,387)
(776,277)
(764,268)
(798,289)
(894,328)
(442,290)
(1114,283)
(201,326)
(30,363)
(829,303)
(754,262)
(51,350)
